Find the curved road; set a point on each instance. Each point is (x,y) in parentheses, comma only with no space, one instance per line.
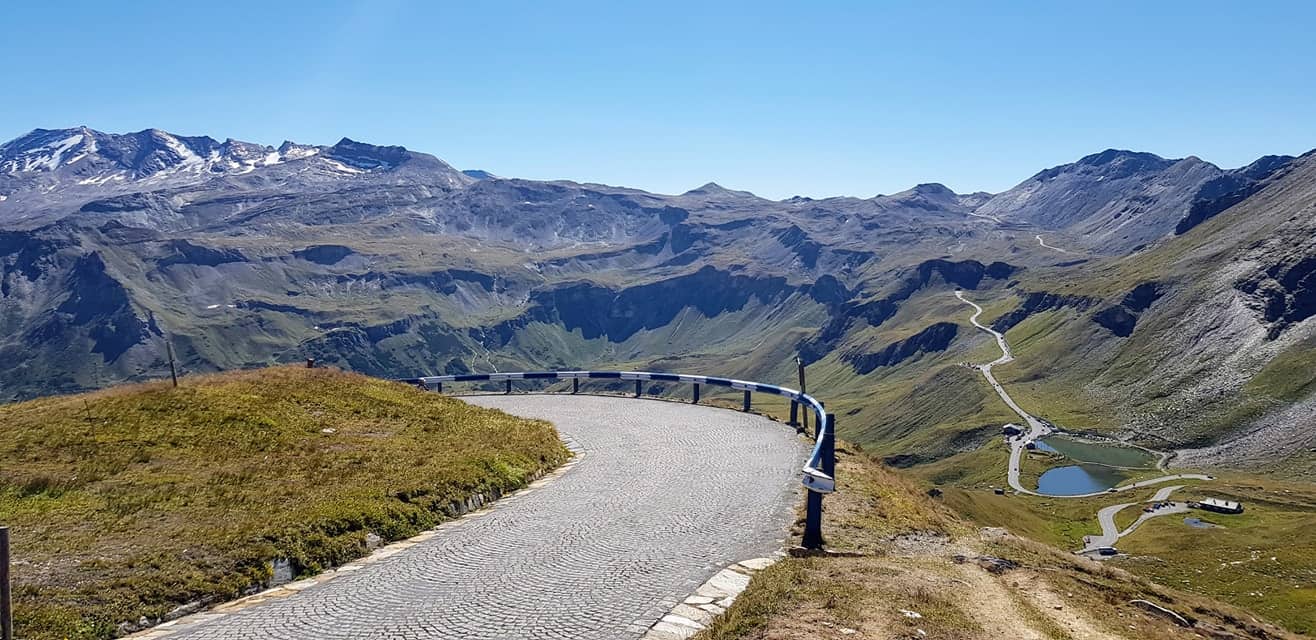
(1044,245)
(1037,428)
(1106,518)
(664,496)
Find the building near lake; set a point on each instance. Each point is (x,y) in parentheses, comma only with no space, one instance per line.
(1219,506)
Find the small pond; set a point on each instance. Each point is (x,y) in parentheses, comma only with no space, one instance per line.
(1078,479)
(1098,453)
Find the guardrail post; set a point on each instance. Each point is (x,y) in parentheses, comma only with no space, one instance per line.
(795,414)
(637,388)
(438,387)
(508,390)
(813,538)
(799,365)
(575,385)
(746,407)
(695,399)
(6,600)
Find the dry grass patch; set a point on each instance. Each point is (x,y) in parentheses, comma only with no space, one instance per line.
(129,502)
(917,575)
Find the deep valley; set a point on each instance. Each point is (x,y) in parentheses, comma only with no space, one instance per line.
(1164,303)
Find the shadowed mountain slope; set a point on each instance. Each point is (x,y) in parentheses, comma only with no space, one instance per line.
(393,263)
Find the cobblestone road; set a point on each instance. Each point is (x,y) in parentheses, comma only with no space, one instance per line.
(665,494)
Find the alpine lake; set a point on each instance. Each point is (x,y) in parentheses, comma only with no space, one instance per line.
(1098,466)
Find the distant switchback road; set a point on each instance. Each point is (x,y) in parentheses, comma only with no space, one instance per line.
(1037,428)
(663,496)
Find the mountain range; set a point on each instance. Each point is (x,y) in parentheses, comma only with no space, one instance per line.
(1163,301)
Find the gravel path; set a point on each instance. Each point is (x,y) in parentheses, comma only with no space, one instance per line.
(664,495)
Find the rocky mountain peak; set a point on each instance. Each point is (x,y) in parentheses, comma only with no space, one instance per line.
(46,149)
(930,195)
(368,156)
(933,189)
(715,190)
(709,187)
(1126,160)
(1264,166)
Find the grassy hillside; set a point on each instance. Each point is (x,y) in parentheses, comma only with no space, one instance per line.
(134,500)
(910,568)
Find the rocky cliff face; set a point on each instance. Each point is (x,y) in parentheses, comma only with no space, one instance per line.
(860,309)
(1114,201)
(934,338)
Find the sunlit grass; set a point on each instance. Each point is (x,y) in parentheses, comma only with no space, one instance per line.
(134,500)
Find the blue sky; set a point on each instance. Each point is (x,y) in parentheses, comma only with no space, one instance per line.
(817,98)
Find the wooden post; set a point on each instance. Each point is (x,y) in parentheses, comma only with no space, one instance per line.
(173,371)
(508,389)
(795,413)
(637,388)
(695,399)
(746,407)
(575,385)
(6,598)
(438,387)
(310,363)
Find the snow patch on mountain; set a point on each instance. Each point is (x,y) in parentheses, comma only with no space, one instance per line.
(46,157)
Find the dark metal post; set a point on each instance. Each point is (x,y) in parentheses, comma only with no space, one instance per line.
(575,385)
(813,538)
(795,414)
(6,599)
(799,364)
(695,400)
(508,389)
(438,388)
(173,371)
(310,363)
(746,407)
(637,388)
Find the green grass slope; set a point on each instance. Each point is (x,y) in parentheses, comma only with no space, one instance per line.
(910,568)
(131,501)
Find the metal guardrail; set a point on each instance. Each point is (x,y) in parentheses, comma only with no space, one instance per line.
(819,472)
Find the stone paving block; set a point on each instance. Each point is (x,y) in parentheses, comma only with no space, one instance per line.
(691,613)
(758,564)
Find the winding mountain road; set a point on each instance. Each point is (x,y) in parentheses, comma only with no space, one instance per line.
(1044,245)
(1037,428)
(661,497)
(1110,533)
